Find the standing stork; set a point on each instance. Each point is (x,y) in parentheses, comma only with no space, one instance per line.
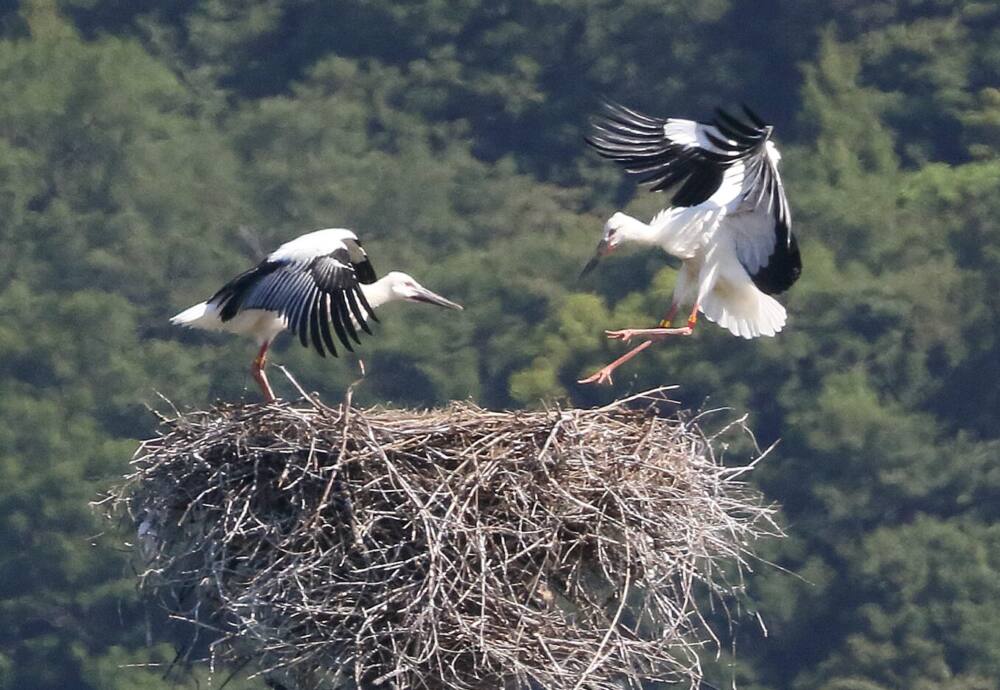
(728,219)
(315,286)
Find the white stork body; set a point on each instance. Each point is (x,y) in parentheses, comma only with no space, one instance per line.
(711,275)
(728,220)
(318,286)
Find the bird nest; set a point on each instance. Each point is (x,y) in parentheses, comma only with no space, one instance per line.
(451,549)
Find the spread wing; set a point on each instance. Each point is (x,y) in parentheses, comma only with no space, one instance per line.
(683,154)
(765,248)
(762,222)
(317,297)
(695,160)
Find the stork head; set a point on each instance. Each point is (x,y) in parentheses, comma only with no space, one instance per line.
(614,234)
(404,287)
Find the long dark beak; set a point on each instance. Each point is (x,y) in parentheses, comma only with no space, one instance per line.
(425,295)
(602,249)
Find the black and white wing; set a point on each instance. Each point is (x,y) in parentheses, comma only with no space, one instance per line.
(666,153)
(693,159)
(316,296)
(761,222)
(690,156)
(765,247)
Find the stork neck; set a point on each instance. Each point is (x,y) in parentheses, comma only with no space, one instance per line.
(634,230)
(379,292)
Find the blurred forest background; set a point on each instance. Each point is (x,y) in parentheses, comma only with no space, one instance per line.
(150,150)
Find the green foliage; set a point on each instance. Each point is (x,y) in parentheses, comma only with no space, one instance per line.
(148,151)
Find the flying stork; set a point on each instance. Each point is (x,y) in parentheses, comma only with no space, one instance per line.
(315,286)
(728,219)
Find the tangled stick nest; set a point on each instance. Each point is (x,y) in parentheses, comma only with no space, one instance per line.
(452,549)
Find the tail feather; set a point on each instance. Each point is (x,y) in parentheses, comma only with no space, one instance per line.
(743,310)
(201,315)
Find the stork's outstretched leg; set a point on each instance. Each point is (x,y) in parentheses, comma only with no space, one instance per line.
(258,372)
(657,333)
(653,334)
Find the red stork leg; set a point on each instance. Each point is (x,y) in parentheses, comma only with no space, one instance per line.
(657,333)
(258,372)
(653,334)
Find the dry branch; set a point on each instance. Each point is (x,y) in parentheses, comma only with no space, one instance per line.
(452,549)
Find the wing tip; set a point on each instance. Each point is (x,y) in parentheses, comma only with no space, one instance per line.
(782,270)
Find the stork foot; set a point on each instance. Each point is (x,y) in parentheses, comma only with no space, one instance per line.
(604,375)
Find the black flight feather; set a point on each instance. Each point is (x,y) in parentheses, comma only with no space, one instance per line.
(327,336)
(345,316)
(314,325)
(352,302)
(783,267)
(231,295)
(337,316)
